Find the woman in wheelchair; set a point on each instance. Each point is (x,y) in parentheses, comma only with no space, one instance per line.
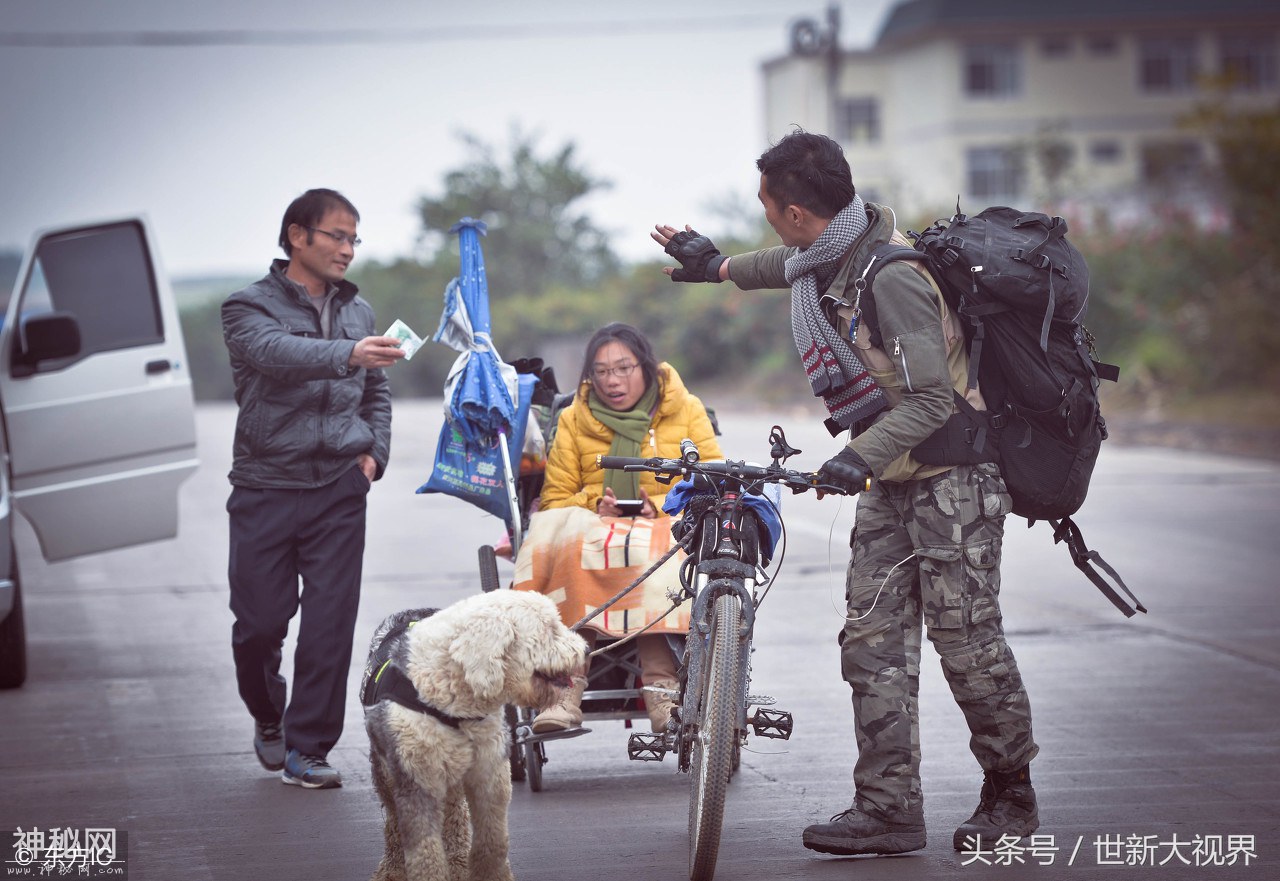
(597,530)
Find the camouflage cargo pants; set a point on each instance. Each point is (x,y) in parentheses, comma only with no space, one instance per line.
(928,551)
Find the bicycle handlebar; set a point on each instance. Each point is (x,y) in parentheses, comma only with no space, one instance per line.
(737,471)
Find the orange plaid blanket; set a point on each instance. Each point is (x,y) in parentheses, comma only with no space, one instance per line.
(580,560)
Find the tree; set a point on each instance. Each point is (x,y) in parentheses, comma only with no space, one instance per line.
(1241,309)
(537,238)
(1248,146)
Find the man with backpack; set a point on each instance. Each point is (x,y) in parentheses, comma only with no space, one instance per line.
(890,368)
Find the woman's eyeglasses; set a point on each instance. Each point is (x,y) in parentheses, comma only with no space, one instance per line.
(622,371)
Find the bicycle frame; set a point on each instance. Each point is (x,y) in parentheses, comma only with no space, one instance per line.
(725,564)
(710,725)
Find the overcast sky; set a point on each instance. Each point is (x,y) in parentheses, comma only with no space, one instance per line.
(212,141)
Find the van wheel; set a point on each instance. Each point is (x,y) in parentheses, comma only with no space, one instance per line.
(13,635)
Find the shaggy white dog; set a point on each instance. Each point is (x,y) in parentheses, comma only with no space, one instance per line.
(434,688)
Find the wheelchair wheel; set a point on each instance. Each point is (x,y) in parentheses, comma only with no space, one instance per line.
(512,717)
(488,569)
(534,755)
(713,751)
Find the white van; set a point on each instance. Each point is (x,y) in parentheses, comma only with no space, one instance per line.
(95,402)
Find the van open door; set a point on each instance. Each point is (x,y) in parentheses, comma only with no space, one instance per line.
(99,419)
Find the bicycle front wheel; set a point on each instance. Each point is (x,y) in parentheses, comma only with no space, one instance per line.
(712,754)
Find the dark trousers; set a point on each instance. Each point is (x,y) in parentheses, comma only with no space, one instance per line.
(277,537)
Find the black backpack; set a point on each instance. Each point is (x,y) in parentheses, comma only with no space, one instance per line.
(1021,290)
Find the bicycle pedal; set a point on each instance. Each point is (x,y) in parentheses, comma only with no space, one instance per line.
(760,700)
(646,747)
(776,724)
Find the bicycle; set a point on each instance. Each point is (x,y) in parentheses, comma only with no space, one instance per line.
(721,532)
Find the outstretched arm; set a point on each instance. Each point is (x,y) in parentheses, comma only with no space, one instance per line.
(699,258)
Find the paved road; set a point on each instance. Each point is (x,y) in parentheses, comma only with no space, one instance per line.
(1155,732)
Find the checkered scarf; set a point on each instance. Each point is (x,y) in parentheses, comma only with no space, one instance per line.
(835,372)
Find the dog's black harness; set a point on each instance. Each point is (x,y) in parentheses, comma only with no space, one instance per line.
(390,683)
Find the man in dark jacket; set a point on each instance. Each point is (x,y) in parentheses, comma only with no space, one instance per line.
(313,432)
(926,541)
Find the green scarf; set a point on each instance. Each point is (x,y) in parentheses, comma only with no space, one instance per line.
(630,429)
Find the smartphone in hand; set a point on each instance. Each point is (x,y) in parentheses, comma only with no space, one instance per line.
(630,507)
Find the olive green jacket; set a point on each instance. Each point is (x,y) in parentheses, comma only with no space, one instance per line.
(924,358)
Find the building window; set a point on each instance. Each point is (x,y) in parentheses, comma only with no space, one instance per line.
(858,120)
(1101,44)
(1055,46)
(1167,163)
(992,70)
(1249,60)
(1167,64)
(995,173)
(1105,152)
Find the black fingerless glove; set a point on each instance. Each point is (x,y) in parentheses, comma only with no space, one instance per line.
(698,257)
(846,471)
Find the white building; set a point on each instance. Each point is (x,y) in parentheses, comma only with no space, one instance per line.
(1061,105)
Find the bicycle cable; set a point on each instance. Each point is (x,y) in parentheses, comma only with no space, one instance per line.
(782,543)
(831,534)
(879,589)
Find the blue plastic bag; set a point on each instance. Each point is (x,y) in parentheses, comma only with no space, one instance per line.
(474,472)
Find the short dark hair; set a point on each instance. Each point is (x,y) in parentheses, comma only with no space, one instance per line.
(808,170)
(308,210)
(633,339)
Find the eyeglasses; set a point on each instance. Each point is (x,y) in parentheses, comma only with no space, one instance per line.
(337,236)
(622,371)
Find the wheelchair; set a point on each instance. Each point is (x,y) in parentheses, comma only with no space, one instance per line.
(614,683)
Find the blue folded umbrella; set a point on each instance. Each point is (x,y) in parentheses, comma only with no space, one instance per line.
(478,388)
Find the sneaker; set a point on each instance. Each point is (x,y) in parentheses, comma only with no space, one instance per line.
(1006,806)
(312,772)
(268,743)
(857,832)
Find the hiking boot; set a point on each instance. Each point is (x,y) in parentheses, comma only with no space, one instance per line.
(1006,806)
(660,700)
(856,832)
(268,743)
(311,772)
(567,713)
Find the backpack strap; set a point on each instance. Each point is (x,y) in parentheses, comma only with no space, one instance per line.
(1100,369)
(967,437)
(1065,530)
(880,257)
(1057,228)
(963,438)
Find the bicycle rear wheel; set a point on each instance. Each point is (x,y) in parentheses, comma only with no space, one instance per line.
(534,755)
(712,755)
(512,716)
(488,569)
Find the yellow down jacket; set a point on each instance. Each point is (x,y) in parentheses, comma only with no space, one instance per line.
(572,476)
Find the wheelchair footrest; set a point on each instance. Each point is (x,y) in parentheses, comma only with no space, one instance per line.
(776,724)
(646,747)
(525,734)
